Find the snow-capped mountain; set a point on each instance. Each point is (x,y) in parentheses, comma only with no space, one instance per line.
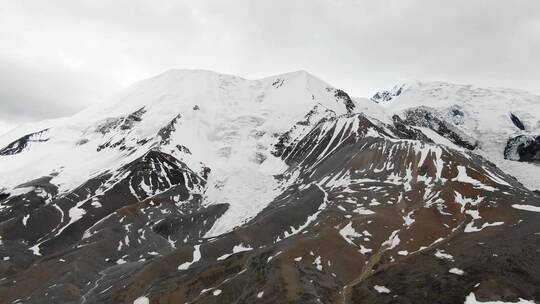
(206,120)
(199,187)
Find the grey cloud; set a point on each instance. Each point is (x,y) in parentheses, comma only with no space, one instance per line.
(42,90)
(56,59)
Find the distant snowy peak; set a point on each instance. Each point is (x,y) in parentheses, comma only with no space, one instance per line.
(439,93)
(387,95)
(207,89)
(473,109)
(487,120)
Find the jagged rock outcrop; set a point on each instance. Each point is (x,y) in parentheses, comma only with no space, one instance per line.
(524,148)
(24,142)
(430,118)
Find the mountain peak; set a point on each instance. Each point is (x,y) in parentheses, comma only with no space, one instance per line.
(177,73)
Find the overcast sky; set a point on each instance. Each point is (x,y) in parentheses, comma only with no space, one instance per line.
(56,57)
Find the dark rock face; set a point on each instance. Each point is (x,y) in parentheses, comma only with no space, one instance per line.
(523,148)
(286,139)
(278,83)
(24,142)
(342,95)
(517,122)
(115,129)
(385,96)
(165,132)
(429,118)
(128,122)
(368,213)
(406,131)
(121,123)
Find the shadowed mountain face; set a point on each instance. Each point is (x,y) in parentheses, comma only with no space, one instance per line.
(244,200)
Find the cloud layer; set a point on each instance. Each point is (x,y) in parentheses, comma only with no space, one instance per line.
(57,59)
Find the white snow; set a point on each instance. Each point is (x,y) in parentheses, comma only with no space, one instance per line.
(464,178)
(470,226)
(273,256)
(241,248)
(318,263)
(363,211)
(142,300)
(35,249)
(75,214)
(196,258)
(471,299)
(348,233)
(441,254)
(526,207)
(457,271)
(381,289)
(260,294)
(236,249)
(364,250)
(392,241)
(408,220)
(463,201)
(95,203)
(25,219)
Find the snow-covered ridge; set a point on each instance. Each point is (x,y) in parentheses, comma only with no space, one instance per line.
(486,118)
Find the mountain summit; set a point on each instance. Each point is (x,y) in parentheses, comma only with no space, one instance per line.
(200,187)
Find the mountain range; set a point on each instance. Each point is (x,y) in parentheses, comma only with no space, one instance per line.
(200,187)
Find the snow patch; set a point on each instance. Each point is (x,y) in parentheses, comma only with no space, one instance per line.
(196,258)
(441,254)
(348,233)
(456,271)
(526,207)
(392,241)
(381,289)
(142,300)
(471,299)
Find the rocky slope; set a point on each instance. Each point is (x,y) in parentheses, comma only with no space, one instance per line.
(198,187)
